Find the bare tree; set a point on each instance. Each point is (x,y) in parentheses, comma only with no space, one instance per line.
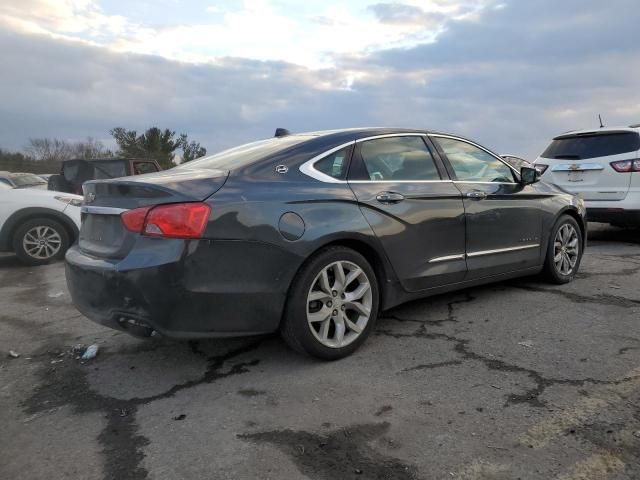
(52,149)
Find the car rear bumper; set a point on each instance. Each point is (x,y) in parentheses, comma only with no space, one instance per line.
(614,215)
(209,289)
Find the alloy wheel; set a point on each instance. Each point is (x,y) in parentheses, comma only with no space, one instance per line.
(566,249)
(42,242)
(339,304)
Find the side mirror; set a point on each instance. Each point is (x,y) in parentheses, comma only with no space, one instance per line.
(529,175)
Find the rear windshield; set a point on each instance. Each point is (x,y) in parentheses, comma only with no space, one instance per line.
(246,154)
(591,146)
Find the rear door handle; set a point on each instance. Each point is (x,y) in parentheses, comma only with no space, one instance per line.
(389,197)
(477,194)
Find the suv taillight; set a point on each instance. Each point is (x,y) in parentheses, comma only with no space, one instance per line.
(626,166)
(175,220)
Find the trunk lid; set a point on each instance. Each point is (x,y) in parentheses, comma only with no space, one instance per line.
(103,234)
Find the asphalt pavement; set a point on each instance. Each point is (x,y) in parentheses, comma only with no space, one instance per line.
(518,380)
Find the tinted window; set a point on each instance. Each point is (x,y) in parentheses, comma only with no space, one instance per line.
(335,165)
(590,146)
(108,169)
(140,168)
(245,154)
(472,164)
(398,158)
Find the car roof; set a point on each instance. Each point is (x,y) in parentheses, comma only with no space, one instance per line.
(602,131)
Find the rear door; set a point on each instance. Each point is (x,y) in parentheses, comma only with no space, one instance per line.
(581,163)
(413,208)
(503,217)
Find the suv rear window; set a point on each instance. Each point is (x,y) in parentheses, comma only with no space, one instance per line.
(577,147)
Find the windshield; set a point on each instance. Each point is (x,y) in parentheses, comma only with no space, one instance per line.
(26,180)
(592,145)
(245,154)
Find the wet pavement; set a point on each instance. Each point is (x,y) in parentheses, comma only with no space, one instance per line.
(520,379)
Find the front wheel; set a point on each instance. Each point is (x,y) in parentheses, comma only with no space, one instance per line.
(564,252)
(40,240)
(332,304)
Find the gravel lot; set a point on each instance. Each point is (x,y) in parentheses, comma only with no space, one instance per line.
(515,380)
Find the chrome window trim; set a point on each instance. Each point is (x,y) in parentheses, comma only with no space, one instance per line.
(502,250)
(486,183)
(497,157)
(400,181)
(308,167)
(102,210)
(391,135)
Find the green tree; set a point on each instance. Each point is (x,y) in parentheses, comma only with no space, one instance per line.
(156,144)
(191,150)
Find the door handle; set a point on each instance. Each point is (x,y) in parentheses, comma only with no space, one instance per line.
(389,197)
(477,194)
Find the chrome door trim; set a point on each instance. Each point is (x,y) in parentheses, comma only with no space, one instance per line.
(502,250)
(102,210)
(576,167)
(448,258)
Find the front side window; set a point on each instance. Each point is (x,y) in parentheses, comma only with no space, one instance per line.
(335,165)
(472,164)
(398,159)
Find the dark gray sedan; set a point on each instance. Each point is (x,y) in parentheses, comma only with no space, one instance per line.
(313,234)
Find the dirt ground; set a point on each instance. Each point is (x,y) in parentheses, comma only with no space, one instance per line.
(519,380)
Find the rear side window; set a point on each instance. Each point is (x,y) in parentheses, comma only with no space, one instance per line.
(579,147)
(398,158)
(335,165)
(140,168)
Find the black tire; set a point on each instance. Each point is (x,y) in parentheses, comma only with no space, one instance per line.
(34,223)
(295,329)
(551,272)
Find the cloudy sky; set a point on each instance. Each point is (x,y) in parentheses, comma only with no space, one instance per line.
(508,73)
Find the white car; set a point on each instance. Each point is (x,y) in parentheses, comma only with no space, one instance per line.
(603,167)
(38,225)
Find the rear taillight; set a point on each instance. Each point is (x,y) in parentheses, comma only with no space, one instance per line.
(176,220)
(626,166)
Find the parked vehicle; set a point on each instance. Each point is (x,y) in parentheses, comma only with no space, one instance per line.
(313,234)
(22,180)
(75,172)
(603,167)
(37,225)
(516,162)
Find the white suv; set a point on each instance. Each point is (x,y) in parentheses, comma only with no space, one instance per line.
(603,167)
(38,225)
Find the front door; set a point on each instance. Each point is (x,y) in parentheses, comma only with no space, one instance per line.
(503,220)
(413,208)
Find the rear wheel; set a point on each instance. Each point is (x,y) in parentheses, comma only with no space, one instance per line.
(332,304)
(564,252)
(40,240)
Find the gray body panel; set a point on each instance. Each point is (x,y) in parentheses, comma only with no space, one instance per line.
(264,225)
